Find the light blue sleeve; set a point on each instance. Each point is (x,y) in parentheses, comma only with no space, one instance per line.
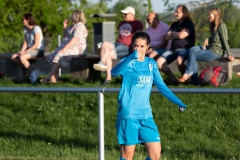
(121,67)
(158,82)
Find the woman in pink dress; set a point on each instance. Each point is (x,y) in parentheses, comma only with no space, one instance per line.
(73,45)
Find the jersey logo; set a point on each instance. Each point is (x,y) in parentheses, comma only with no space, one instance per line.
(143,80)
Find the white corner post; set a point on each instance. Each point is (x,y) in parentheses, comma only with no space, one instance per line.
(101,125)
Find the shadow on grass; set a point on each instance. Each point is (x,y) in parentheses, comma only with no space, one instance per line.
(77,142)
(197,152)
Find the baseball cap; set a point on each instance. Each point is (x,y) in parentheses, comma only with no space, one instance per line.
(128,9)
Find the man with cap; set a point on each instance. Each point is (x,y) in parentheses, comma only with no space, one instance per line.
(112,51)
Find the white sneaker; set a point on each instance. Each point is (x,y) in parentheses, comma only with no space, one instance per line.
(34,75)
(100,66)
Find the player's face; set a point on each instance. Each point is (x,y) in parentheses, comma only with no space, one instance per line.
(141,46)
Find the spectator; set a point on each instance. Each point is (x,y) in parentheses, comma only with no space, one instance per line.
(182,34)
(33,46)
(157,31)
(135,124)
(213,47)
(72,45)
(110,51)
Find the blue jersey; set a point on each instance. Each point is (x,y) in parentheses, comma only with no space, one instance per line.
(137,80)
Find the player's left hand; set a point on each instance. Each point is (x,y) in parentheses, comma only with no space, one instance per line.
(182,109)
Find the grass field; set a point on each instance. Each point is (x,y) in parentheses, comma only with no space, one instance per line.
(65,125)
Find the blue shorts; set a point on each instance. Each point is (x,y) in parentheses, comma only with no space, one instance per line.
(160,51)
(136,131)
(121,50)
(171,55)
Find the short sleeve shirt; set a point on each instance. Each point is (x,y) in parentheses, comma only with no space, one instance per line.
(188,41)
(127,29)
(30,37)
(157,34)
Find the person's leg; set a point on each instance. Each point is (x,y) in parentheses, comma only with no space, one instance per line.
(156,53)
(180,64)
(15,58)
(154,150)
(197,54)
(167,57)
(127,134)
(107,48)
(51,77)
(24,61)
(150,136)
(182,56)
(107,54)
(54,71)
(127,152)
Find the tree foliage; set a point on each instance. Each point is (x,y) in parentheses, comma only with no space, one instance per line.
(49,14)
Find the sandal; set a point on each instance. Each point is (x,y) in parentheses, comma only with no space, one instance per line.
(47,81)
(44,80)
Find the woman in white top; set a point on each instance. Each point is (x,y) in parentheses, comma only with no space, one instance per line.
(33,46)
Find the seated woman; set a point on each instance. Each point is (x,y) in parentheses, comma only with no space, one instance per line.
(33,46)
(72,45)
(213,48)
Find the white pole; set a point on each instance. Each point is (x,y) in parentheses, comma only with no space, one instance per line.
(101,125)
(59,44)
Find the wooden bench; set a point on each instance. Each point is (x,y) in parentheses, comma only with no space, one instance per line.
(80,67)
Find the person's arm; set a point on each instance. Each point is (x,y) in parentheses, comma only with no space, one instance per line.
(78,32)
(24,47)
(121,67)
(158,82)
(69,44)
(169,36)
(180,35)
(224,34)
(65,28)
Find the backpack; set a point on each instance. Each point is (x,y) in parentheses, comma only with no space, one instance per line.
(215,76)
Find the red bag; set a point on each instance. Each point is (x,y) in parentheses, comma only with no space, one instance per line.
(215,76)
(1,74)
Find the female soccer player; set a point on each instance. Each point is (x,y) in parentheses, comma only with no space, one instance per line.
(135,124)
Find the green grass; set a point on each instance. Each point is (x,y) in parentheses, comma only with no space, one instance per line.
(65,125)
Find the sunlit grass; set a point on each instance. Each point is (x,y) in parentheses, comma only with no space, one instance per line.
(65,125)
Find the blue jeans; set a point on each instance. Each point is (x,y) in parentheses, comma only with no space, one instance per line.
(198,54)
(121,50)
(171,55)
